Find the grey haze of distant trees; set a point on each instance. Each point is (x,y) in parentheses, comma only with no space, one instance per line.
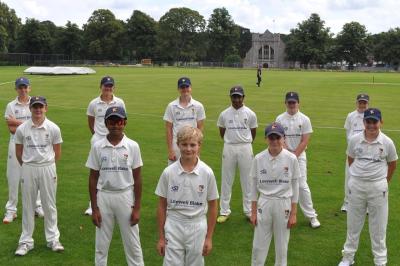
(183,34)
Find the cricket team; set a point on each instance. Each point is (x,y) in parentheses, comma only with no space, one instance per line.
(272,182)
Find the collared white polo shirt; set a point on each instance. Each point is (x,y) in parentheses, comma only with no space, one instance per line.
(114,163)
(187,193)
(370,158)
(19,111)
(354,124)
(181,116)
(238,124)
(97,108)
(38,142)
(274,177)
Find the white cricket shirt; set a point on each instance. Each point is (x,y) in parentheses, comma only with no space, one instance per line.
(187,193)
(114,163)
(181,116)
(38,142)
(97,108)
(370,159)
(275,177)
(354,124)
(295,127)
(238,124)
(19,111)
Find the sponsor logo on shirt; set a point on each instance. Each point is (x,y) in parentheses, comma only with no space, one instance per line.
(263,171)
(126,157)
(104,159)
(201,188)
(174,188)
(28,138)
(16,111)
(230,121)
(99,110)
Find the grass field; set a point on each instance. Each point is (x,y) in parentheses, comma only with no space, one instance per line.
(326,97)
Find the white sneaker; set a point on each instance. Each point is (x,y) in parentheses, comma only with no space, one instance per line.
(39,212)
(314,223)
(344,207)
(89,211)
(345,263)
(23,249)
(55,246)
(9,217)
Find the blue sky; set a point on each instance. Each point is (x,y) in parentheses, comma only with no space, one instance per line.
(258,15)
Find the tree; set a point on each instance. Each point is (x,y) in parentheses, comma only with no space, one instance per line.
(9,26)
(180,34)
(351,43)
(223,35)
(104,35)
(34,38)
(141,35)
(69,40)
(308,43)
(245,41)
(386,47)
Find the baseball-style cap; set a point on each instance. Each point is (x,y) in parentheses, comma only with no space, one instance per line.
(184,81)
(373,113)
(21,81)
(362,97)
(275,128)
(107,80)
(115,111)
(292,96)
(238,90)
(37,99)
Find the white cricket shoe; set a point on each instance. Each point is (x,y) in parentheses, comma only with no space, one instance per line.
(55,246)
(344,207)
(23,249)
(314,223)
(9,217)
(345,263)
(39,212)
(89,211)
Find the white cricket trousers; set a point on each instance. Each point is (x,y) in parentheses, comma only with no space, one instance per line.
(305,200)
(374,196)
(346,181)
(233,156)
(14,179)
(43,178)
(117,206)
(272,220)
(184,241)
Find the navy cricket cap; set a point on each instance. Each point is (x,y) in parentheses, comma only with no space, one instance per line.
(184,81)
(107,80)
(362,97)
(292,96)
(238,90)
(37,99)
(115,111)
(21,81)
(373,113)
(275,128)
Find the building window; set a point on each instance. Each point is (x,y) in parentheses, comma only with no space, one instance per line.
(266,52)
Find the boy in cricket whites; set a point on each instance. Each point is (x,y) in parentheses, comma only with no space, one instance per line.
(186,190)
(372,161)
(115,188)
(274,174)
(38,148)
(17,112)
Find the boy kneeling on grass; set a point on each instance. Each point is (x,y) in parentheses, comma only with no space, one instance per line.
(187,188)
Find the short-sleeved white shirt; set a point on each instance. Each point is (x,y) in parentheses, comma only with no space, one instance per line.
(295,127)
(354,124)
(97,108)
(187,193)
(38,142)
(238,124)
(181,116)
(274,177)
(370,159)
(19,111)
(114,163)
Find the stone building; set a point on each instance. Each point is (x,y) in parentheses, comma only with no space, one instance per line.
(268,50)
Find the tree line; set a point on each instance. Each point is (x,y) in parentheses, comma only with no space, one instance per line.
(182,34)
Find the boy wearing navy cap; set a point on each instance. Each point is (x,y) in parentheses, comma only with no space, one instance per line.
(372,161)
(115,188)
(274,175)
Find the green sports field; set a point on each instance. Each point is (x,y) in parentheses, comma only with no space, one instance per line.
(326,97)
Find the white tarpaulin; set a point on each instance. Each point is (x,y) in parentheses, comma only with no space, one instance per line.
(59,70)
